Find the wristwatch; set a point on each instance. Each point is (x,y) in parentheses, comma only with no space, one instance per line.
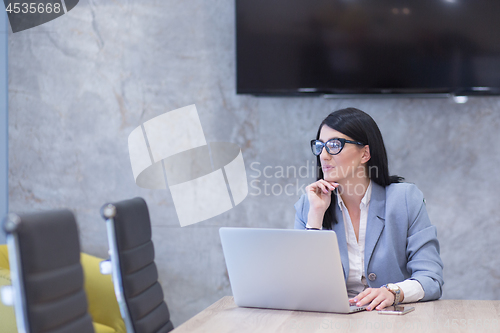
(394,288)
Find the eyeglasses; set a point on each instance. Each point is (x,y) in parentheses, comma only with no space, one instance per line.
(333,146)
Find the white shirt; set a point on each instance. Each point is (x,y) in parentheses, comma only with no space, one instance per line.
(356,281)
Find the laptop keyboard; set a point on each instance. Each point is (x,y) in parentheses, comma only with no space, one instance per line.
(355,308)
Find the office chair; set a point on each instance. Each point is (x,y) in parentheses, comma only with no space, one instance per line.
(134,273)
(47,277)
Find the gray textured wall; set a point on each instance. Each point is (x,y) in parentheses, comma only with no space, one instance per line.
(4,145)
(80,84)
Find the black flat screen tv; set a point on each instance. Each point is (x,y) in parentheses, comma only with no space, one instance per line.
(344,47)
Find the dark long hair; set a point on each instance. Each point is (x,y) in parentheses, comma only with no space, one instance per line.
(360,127)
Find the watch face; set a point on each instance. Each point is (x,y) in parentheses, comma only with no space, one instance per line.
(392,287)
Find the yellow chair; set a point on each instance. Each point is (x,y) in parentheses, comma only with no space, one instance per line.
(7,316)
(103,306)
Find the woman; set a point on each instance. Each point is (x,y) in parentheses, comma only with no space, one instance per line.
(388,246)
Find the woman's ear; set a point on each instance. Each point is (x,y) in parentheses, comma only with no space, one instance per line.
(366,154)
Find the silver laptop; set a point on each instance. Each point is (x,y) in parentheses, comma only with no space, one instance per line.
(285,269)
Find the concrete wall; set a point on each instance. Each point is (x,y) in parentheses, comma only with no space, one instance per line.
(80,84)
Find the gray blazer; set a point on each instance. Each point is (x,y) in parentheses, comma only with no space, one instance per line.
(401,242)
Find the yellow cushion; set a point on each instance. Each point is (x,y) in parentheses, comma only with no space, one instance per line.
(5,276)
(7,316)
(4,257)
(103,306)
(100,328)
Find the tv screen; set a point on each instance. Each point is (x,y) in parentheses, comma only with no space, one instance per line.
(287,47)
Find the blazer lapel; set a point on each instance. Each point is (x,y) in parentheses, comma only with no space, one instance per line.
(339,229)
(375,222)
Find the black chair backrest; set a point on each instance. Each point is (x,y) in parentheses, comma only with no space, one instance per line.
(142,292)
(48,255)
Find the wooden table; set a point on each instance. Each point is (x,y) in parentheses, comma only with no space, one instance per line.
(437,316)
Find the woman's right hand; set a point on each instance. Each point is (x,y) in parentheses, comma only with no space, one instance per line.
(319,196)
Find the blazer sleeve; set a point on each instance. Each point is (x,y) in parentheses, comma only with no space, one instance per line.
(301,212)
(422,250)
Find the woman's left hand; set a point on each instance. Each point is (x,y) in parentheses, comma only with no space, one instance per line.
(376,298)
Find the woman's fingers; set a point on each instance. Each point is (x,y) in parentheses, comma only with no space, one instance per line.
(377,298)
(384,304)
(361,295)
(376,301)
(366,296)
(328,184)
(315,187)
(321,186)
